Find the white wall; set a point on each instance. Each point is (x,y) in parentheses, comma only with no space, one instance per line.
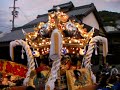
(110,28)
(90,20)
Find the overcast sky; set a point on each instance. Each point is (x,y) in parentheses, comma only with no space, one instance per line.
(29,9)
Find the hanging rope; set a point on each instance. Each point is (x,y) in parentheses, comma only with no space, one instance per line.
(31,64)
(92,45)
(55,55)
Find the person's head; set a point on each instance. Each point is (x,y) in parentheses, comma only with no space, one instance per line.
(74,60)
(66,59)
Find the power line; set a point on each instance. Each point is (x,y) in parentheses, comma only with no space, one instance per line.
(24,15)
(4,27)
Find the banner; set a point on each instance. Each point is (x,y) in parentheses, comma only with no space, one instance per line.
(83,80)
(13,68)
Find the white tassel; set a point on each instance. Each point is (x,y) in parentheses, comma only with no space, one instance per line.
(22,56)
(96,53)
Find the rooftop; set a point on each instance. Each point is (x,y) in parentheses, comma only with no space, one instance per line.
(72,11)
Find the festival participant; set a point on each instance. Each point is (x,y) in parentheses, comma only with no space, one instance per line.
(65,64)
(5,81)
(117,84)
(111,83)
(39,81)
(12,79)
(114,70)
(76,63)
(106,69)
(102,82)
(42,67)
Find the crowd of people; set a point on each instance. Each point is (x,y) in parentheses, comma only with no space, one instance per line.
(108,78)
(7,81)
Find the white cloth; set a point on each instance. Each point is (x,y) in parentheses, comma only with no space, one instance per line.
(58,43)
(114,71)
(93,78)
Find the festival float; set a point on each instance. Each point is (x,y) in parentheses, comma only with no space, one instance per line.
(61,37)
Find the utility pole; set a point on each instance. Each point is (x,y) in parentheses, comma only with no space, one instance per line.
(14,14)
